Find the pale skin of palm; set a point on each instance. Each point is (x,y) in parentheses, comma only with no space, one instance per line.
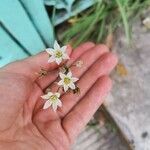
(25,125)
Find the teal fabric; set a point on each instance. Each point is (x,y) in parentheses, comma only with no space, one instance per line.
(68,8)
(59,4)
(26,29)
(40,19)
(9,50)
(16,20)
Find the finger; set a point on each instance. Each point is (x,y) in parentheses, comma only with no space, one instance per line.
(32,65)
(88,58)
(101,67)
(75,121)
(77,52)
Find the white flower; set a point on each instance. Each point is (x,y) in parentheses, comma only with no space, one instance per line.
(57,54)
(146,22)
(67,81)
(52,100)
(79,64)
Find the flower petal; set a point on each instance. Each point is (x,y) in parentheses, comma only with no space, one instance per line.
(58,60)
(69,74)
(50,51)
(66,88)
(60,82)
(62,76)
(57,94)
(51,59)
(54,106)
(63,49)
(65,56)
(59,103)
(72,86)
(56,45)
(74,79)
(49,94)
(45,96)
(46,105)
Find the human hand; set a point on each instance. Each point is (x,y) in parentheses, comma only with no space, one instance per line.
(25,125)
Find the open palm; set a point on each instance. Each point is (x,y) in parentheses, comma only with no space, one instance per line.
(25,125)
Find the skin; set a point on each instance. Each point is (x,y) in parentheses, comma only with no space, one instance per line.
(25,125)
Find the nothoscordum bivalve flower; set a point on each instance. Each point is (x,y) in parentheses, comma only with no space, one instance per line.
(57,54)
(67,81)
(79,63)
(146,22)
(52,99)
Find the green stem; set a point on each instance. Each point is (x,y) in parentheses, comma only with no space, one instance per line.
(124,19)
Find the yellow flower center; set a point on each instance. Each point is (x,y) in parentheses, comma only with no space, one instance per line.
(53,98)
(67,80)
(58,54)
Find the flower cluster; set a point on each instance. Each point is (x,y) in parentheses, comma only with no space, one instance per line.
(66,80)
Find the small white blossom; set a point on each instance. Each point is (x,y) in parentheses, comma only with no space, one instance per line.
(79,64)
(57,54)
(52,99)
(67,81)
(146,22)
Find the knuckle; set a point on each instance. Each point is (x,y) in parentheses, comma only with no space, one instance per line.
(102,47)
